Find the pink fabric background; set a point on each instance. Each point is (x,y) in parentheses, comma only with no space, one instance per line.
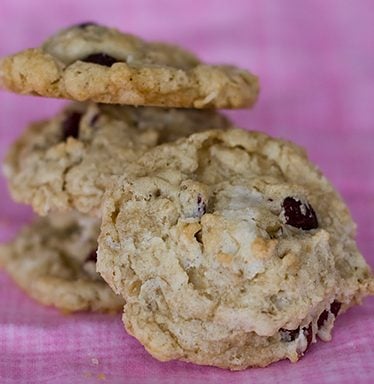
(316,64)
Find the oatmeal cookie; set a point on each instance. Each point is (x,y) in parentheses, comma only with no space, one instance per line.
(90,62)
(54,261)
(65,163)
(230,249)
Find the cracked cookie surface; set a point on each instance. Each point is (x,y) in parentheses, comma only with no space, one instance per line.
(90,62)
(66,162)
(230,249)
(54,261)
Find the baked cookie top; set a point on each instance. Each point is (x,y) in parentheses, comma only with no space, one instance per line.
(54,261)
(227,244)
(66,162)
(90,62)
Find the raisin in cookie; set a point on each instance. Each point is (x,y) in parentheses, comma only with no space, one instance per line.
(92,62)
(231,249)
(54,261)
(66,162)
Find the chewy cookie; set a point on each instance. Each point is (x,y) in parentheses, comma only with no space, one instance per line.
(66,162)
(95,63)
(230,249)
(54,261)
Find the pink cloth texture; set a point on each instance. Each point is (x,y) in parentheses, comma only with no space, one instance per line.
(316,65)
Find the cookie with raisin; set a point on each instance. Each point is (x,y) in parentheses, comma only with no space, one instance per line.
(66,162)
(230,249)
(91,62)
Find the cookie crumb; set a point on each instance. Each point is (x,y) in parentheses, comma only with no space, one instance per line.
(101,376)
(95,361)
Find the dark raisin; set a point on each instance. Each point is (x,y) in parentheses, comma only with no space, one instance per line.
(289,335)
(92,256)
(101,59)
(335,308)
(85,25)
(299,215)
(308,333)
(94,119)
(201,206)
(322,318)
(70,126)
(199,236)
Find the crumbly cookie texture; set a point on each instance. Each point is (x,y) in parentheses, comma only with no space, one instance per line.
(95,63)
(231,249)
(54,261)
(66,162)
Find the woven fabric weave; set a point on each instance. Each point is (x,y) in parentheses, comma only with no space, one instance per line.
(316,65)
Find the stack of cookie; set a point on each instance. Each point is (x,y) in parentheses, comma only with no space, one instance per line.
(223,247)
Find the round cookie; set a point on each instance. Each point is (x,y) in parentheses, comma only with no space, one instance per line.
(54,261)
(230,249)
(66,162)
(92,62)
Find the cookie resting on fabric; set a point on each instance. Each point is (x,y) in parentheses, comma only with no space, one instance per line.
(65,163)
(54,261)
(90,62)
(230,249)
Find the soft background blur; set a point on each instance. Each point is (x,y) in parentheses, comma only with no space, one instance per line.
(316,65)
